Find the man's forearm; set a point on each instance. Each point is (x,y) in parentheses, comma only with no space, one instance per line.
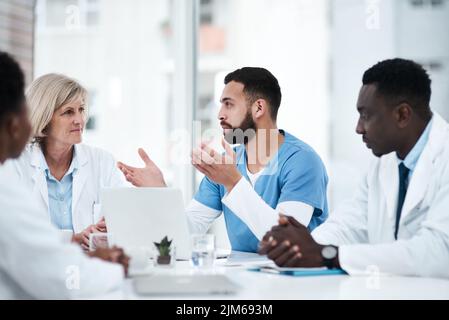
(244,201)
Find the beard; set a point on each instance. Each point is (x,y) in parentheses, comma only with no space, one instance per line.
(242,133)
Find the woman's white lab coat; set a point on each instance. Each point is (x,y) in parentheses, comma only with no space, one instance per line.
(96,169)
(364,227)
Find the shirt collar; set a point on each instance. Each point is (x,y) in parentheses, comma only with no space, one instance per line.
(74,165)
(412,157)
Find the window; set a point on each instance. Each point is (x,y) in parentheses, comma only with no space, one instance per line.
(427,3)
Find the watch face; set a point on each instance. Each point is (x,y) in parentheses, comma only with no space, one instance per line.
(329,252)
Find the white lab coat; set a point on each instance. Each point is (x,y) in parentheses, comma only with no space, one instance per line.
(363,228)
(97,169)
(34,262)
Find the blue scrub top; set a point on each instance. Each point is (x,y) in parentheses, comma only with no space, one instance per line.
(296,173)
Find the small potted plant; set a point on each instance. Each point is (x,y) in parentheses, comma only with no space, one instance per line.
(164,249)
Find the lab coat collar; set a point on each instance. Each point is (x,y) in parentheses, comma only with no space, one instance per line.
(425,166)
(418,184)
(39,164)
(38,159)
(413,156)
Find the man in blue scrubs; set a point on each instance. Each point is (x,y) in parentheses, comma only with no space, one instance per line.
(270,171)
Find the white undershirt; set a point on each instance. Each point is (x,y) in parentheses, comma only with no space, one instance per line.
(253,176)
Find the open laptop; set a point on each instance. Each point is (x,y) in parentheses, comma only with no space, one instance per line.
(164,284)
(137,217)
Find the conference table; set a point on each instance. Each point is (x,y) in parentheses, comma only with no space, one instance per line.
(268,286)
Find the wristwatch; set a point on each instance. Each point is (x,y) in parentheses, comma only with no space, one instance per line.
(329,253)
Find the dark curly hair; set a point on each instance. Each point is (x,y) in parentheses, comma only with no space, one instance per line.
(259,83)
(399,80)
(11,85)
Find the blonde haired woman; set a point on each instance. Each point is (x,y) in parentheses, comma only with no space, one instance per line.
(65,175)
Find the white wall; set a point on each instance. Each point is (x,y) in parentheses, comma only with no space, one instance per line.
(289,38)
(423,35)
(361,35)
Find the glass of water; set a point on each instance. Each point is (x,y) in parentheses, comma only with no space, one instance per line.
(100,240)
(203,250)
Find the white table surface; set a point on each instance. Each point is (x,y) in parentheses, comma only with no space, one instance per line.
(266,286)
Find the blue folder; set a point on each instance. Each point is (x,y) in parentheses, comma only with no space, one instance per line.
(299,272)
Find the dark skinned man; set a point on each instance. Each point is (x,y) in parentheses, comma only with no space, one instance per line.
(398,219)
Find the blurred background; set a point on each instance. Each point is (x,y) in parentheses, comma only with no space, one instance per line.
(154,68)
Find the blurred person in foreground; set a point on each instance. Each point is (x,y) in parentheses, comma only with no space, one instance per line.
(35,262)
